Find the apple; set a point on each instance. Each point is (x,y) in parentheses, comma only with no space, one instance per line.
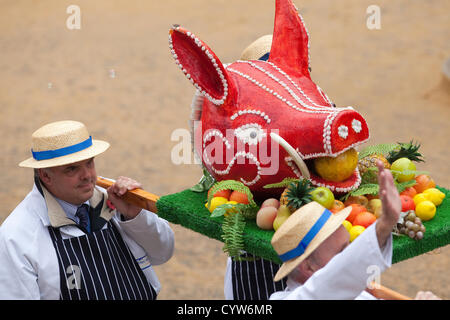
(403,164)
(324,196)
(265,217)
(373,205)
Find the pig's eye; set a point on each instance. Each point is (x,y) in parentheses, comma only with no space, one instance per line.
(251,133)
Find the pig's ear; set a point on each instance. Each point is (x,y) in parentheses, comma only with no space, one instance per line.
(290,44)
(200,65)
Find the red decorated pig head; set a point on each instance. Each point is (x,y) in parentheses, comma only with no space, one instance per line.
(262,121)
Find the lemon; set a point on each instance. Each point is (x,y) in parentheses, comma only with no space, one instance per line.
(426,210)
(232,209)
(215,202)
(434,195)
(418,198)
(347,225)
(355,231)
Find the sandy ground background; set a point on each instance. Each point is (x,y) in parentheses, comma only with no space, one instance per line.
(117,76)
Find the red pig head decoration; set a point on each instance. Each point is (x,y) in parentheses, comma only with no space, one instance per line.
(262,121)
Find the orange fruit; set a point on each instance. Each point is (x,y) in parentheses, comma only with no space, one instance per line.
(239,197)
(423,182)
(222,193)
(356,209)
(364,219)
(337,206)
(410,191)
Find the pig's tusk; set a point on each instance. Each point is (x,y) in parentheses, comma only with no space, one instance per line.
(291,151)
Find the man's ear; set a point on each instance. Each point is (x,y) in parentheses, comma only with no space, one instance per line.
(45,176)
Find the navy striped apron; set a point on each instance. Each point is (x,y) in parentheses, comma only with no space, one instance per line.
(253,280)
(99,266)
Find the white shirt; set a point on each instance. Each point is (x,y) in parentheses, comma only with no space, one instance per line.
(346,275)
(29,266)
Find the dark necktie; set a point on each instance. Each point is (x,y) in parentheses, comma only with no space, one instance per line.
(83,215)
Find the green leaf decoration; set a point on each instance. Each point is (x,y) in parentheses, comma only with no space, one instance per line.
(230,185)
(224,208)
(374,188)
(205,183)
(233,235)
(383,148)
(403,185)
(282,184)
(368,188)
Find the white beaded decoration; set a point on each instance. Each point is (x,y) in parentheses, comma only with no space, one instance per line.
(199,43)
(247,155)
(251,111)
(215,133)
(285,86)
(327,132)
(343,131)
(245,133)
(356,125)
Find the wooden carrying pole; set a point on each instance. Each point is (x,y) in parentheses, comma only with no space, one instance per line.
(147,200)
(384,293)
(138,197)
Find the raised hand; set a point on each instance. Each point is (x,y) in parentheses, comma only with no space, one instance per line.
(391,204)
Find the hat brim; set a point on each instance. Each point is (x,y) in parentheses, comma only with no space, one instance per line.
(329,227)
(98,147)
(257,49)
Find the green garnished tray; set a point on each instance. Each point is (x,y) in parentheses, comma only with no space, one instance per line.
(187,208)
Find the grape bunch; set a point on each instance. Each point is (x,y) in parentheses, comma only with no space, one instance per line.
(411,225)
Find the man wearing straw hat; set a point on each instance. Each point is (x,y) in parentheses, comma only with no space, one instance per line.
(317,258)
(69,239)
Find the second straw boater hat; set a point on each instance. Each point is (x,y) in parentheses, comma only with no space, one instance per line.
(60,143)
(258,49)
(302,233)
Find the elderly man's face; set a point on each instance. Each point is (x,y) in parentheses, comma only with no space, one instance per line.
(333,245)
(73,183)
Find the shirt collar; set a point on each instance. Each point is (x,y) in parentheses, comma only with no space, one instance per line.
(55,214)
(70,209)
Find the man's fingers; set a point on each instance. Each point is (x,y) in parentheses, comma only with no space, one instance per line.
(124,184)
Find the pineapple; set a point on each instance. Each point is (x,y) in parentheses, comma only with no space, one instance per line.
(296,194)
(406,150)
(371,161)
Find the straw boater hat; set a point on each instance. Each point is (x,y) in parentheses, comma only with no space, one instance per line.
(258,49)
(60,143)
(302,233)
